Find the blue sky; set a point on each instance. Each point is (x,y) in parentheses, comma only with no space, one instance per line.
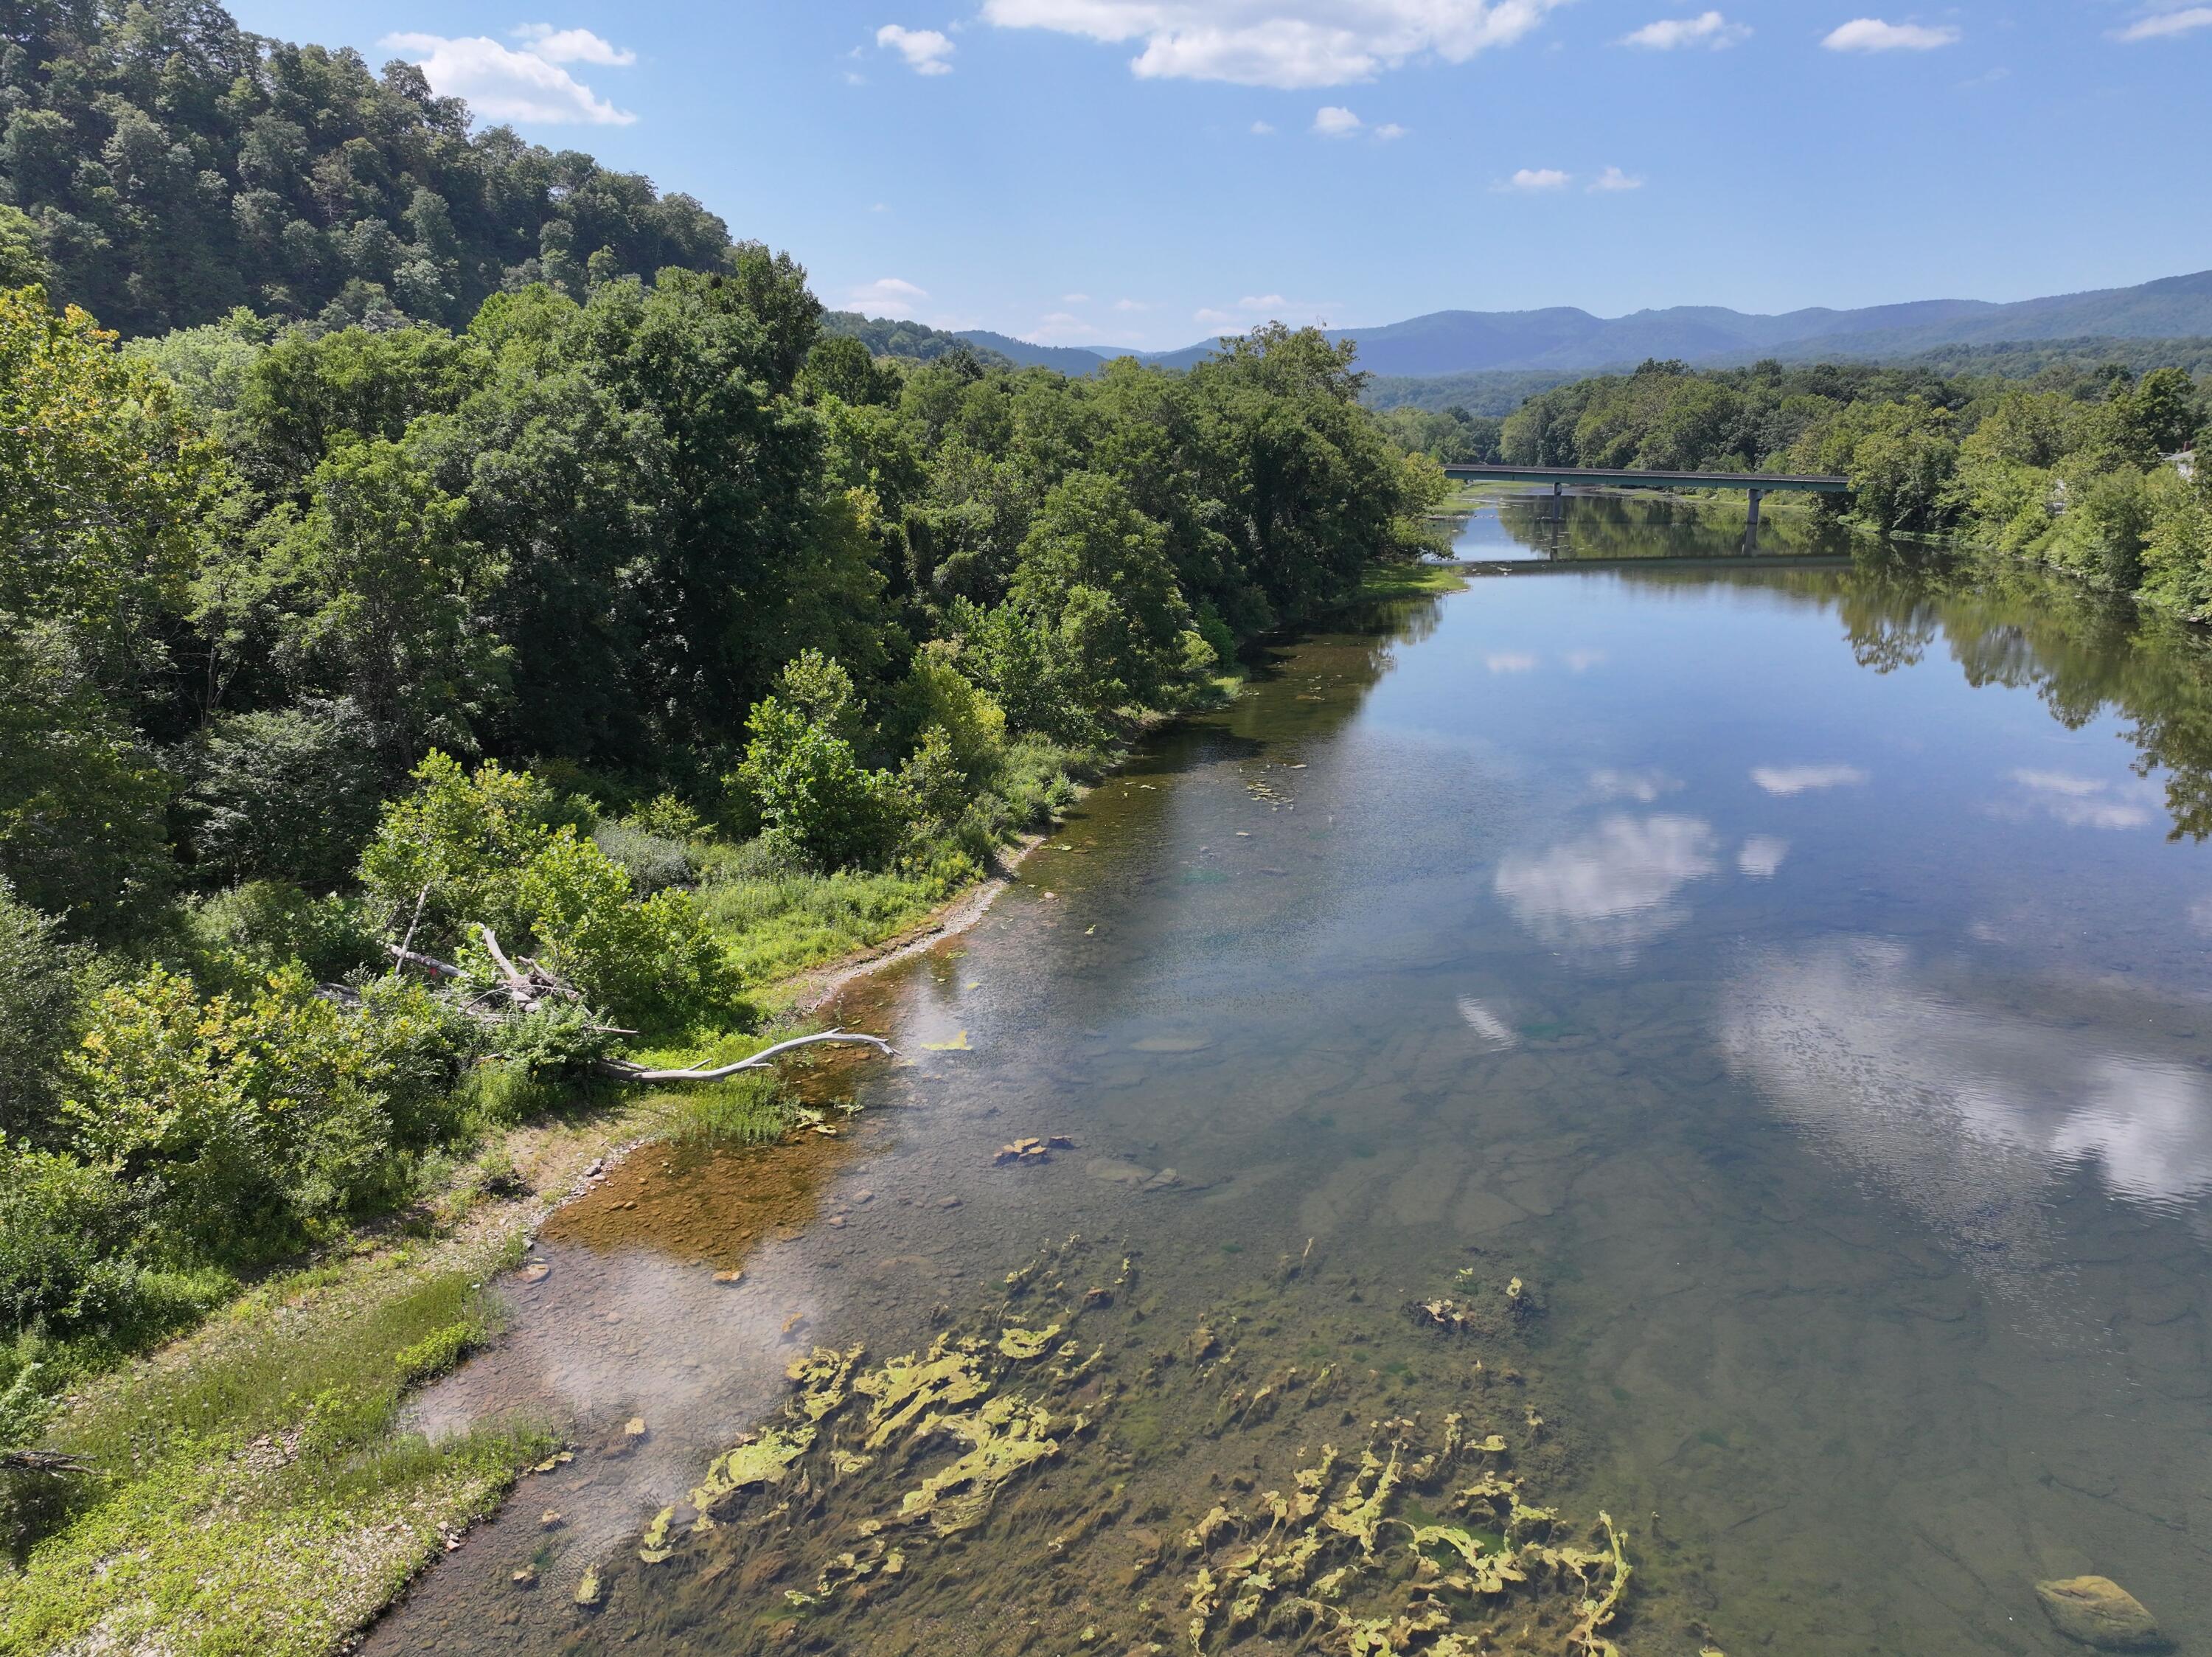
(1151,172)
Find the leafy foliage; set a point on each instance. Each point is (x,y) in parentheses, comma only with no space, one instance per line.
(244,1125)
(174,166)
(38,1000)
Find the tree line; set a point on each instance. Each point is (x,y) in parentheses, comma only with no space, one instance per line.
(2072,465)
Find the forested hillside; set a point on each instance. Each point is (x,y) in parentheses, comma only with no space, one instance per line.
(173,165)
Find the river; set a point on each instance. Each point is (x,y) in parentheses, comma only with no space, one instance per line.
(1737,1037)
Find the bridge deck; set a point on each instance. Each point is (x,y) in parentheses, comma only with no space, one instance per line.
(1765,482)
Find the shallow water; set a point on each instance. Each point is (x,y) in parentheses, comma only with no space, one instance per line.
(1786,977)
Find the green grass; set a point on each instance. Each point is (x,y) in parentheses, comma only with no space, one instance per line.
(782,923)
(1405,581)
(252,1493)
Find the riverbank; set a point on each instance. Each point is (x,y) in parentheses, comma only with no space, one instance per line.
(254,1489)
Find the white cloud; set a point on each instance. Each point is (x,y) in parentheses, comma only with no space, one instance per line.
(1708,29)
(1063,327)
(1263,307)
(1786,780)
(926,50)
(1611,889)
(1613,179)
(1331,121)
(1761,855)
(1582,660)
(1075,299)
(886,296)
(1873,34)
(1261,130)
(1281,42)
(572,46)
(1131,305)
(2086,801)
(1538,177)
(504,84)
(2161,24)
(1391,130)
(1510,662)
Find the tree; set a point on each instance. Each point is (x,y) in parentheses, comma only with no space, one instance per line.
(391,604)
(1095,577)
(102,481)
(816,800)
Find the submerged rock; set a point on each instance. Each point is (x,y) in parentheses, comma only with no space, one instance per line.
(2097,1612)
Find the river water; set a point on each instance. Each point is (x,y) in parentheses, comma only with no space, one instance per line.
(1739,1036)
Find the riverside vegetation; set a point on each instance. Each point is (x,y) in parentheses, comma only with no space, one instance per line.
(678,641)
(2070,465)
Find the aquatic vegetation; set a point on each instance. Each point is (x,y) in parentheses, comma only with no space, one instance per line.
(1354,1567)
(886,1496)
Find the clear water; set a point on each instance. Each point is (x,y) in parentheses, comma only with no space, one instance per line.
(1790,976)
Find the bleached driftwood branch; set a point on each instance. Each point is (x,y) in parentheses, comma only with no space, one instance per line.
(625,1071)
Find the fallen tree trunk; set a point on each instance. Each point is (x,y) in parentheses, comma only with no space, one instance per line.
(623,1070)
(527,984)
(43,1461)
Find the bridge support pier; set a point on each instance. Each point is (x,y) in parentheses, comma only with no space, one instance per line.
(1751,522)
(1558,502)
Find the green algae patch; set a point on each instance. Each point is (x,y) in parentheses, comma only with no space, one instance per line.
(1004,1437)
(908,1389)
(1022,1344)
(1355,1569)
(1099,1477)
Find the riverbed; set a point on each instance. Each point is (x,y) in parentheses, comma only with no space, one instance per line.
(1719,1054)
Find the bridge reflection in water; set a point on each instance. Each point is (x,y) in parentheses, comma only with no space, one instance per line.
(1546,515)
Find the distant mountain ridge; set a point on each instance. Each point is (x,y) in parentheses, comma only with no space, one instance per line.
(1563,339)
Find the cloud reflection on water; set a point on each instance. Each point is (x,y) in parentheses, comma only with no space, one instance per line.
(2086,801)
(1788,780)
(1613,889)
(1969,1115)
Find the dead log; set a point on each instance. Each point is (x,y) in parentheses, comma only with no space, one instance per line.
(429,964)
(43,1461)
(623,1070)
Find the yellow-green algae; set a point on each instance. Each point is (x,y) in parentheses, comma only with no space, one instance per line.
(1414,1542)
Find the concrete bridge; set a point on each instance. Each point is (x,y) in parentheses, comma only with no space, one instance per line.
(1758,484)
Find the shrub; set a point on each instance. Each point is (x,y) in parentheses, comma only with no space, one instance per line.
(65,1234)
(654,963)
(83,824)
(38,1008)
(247,1126)
(253,931)
(653,861)
(454,844)
(938,695)
(933,788)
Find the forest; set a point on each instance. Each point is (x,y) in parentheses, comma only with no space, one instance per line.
(397,564)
